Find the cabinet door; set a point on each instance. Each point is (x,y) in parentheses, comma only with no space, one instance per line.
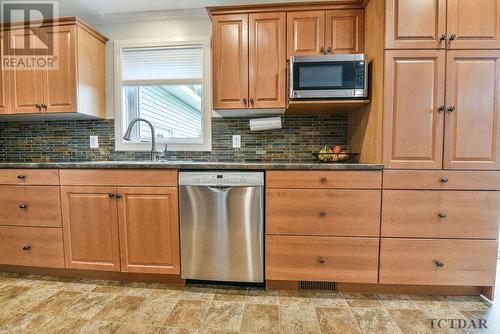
(25,82)
(344,31)
(4,81)
(230,57)
(149,230)
(267,62)
(415,24)
(305,33)
(90,228)
(413,96)
(476,24)
(472,130)
(59,83)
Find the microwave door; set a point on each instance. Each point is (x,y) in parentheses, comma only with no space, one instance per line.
(326,79)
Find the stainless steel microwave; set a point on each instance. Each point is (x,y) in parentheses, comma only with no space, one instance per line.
(329,77)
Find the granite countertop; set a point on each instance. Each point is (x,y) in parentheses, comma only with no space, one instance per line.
(192,165)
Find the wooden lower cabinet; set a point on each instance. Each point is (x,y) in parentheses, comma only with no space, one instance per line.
(30,206)
(128,229)
(438,262)
(329,212)
(31,246)
(307,258)
(440,214)
(90,226)
(149,230)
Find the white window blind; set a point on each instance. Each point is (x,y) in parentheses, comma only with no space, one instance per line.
(163,64)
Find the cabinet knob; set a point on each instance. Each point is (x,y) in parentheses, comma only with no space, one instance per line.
(453,37)
(329,50)
(451,109)
(118,195)
(322,49)
(324,180)
(245,101)
(44,106)
(443,215)
(322,260)
(23,206)
(27,248)
(439,264)
(444,180)
(252,100)
(323,213)
(444,37)
(442,108)
(111,195)
(38,106)
(21,177)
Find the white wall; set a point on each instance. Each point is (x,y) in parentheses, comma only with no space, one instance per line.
(175,29)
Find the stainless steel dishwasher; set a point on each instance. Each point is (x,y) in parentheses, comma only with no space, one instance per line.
(222,226)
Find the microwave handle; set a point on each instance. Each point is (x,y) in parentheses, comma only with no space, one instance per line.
(290,80)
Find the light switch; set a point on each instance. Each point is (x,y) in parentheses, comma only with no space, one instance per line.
(94,142)
(236,141)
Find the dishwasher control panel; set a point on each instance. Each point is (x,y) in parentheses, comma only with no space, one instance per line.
(221,178)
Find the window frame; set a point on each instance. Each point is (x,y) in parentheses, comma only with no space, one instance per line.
(173,144)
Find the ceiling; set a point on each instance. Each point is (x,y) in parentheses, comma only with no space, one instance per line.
(99,10)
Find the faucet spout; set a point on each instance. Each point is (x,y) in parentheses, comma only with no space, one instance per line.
(127,134)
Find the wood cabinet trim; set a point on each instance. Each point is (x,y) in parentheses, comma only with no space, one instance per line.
(119,177)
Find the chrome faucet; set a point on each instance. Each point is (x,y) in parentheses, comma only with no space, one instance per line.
(126,136)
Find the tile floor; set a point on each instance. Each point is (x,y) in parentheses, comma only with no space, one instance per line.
(42,304)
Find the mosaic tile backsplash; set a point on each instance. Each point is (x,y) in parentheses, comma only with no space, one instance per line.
(69,140)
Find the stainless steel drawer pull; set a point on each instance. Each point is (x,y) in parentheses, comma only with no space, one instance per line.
(23,206)
(27,248)
(439,264)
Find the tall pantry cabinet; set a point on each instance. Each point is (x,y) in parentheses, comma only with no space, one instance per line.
(439,61)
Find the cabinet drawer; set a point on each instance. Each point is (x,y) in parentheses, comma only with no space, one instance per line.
(323,212)
(113,177)
(464,262)
(441,179)
(440,214)
(30,206)
(297,258)
(46,177)
(324,179)
(31,246)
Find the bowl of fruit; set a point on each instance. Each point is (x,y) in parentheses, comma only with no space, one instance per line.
(334,154)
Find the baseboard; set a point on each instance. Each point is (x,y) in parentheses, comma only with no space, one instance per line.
(94,274)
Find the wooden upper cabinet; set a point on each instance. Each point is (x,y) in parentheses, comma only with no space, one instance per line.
(25,83)
(344,31)
(149,230)
(90,228)
(305,33)
(230,61)
(473,128)
(267,60)
(70,80)
(60,82)
(415,24)
(413,123)
(476,24)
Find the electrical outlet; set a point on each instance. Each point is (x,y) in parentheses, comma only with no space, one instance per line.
(94,142)
(236,141)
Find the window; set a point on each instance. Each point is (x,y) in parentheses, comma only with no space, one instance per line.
(166,83)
